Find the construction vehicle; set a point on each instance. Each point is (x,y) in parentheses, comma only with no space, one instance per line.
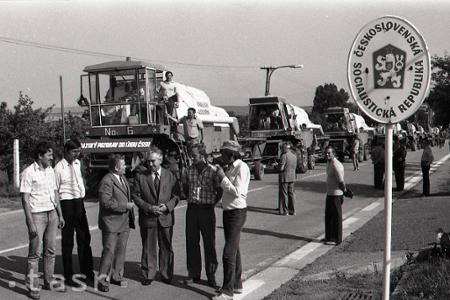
(127,116)
(272,121)
(343,127)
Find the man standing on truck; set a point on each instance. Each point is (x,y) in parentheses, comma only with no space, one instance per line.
(287,177)
(193,128)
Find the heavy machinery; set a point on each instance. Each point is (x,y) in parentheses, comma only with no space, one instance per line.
(273,121)
(127,115)
(343,127)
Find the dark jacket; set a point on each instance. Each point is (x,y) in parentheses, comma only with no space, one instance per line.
(144,196)
(288,165)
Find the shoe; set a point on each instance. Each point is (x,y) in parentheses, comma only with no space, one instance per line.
(146,281)
(122,283)
(212,283)
(55,286)
(293,214)
(73,283)
(222,296)
(238,291)
(103,287)
(190,280)
(166,281)
(34,295)
(283,214)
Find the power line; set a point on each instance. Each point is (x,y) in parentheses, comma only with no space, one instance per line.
(111,55)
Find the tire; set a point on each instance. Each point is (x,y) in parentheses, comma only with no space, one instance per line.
(258,171)
(311,162)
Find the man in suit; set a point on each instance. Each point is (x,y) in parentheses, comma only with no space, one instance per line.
(156,193)
(115,219)
(399,162)
(287,177)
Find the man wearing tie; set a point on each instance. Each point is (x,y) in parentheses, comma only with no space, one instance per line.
(115,219)
(156,193)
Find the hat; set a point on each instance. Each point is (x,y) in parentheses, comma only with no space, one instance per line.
(231,145)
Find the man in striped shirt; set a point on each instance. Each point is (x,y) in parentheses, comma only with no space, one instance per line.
(203,189)
(43,217)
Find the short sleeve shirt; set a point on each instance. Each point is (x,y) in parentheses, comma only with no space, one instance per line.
(41,185)
(335,175)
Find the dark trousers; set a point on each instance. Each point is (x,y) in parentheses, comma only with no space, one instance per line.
(378,174)
(201,219)
(151,238)
(426,180)
(233,221)
(400,177)
(333,218)
(74,215)
(286,198)
(113,255)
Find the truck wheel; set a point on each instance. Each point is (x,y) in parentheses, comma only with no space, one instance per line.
(361,155)
(311,162)
(258,172)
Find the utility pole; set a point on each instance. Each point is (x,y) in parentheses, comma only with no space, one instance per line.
(271,69)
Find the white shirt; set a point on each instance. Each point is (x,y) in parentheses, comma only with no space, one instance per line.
(69,180)
(335,175)
(40,184)
(235,186)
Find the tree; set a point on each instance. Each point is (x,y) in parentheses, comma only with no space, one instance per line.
(439,96)
(327,96)
(29,126)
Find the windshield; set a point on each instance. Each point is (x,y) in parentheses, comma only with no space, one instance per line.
(265,117)
(334,122)
(121,98)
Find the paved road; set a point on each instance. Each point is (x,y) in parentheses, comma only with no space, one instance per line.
(266,237)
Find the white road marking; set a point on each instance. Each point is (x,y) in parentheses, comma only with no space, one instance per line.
(349,221)
(371,206)
(249,286)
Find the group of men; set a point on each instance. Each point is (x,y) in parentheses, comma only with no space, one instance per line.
(53,198)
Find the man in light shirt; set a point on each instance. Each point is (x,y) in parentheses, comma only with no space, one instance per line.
(335,198)
(43,218)
(425,162)
(234,182)
(71,189)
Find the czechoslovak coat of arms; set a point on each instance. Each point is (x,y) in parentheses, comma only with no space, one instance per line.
(389,66)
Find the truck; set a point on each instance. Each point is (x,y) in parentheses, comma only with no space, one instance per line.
(127,116)
(343,127)
(273,121)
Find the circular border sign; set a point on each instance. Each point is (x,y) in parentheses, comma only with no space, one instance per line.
(389,69)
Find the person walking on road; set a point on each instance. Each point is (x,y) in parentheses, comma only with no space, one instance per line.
(355,151)
(425,162)
(115,218)
(234,181)
(204,191)
(335,198)
(40,201)
(399,162)
(287,177)
(377,157)
(71,189)
(156,192)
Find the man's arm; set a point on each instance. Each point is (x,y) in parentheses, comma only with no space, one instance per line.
(136,197)
(28,216)
(106,199)
(58,210)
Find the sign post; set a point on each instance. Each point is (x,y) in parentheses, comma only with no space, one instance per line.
(388,73)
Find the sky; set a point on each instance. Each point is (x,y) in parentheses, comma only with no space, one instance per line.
(216,46)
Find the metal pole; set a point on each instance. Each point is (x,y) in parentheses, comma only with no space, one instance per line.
(16,164)
(268,74)
(387,210)
(62,110)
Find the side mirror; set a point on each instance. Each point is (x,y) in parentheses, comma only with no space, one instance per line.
(83,101)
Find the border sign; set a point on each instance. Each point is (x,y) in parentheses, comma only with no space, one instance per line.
(389,69)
